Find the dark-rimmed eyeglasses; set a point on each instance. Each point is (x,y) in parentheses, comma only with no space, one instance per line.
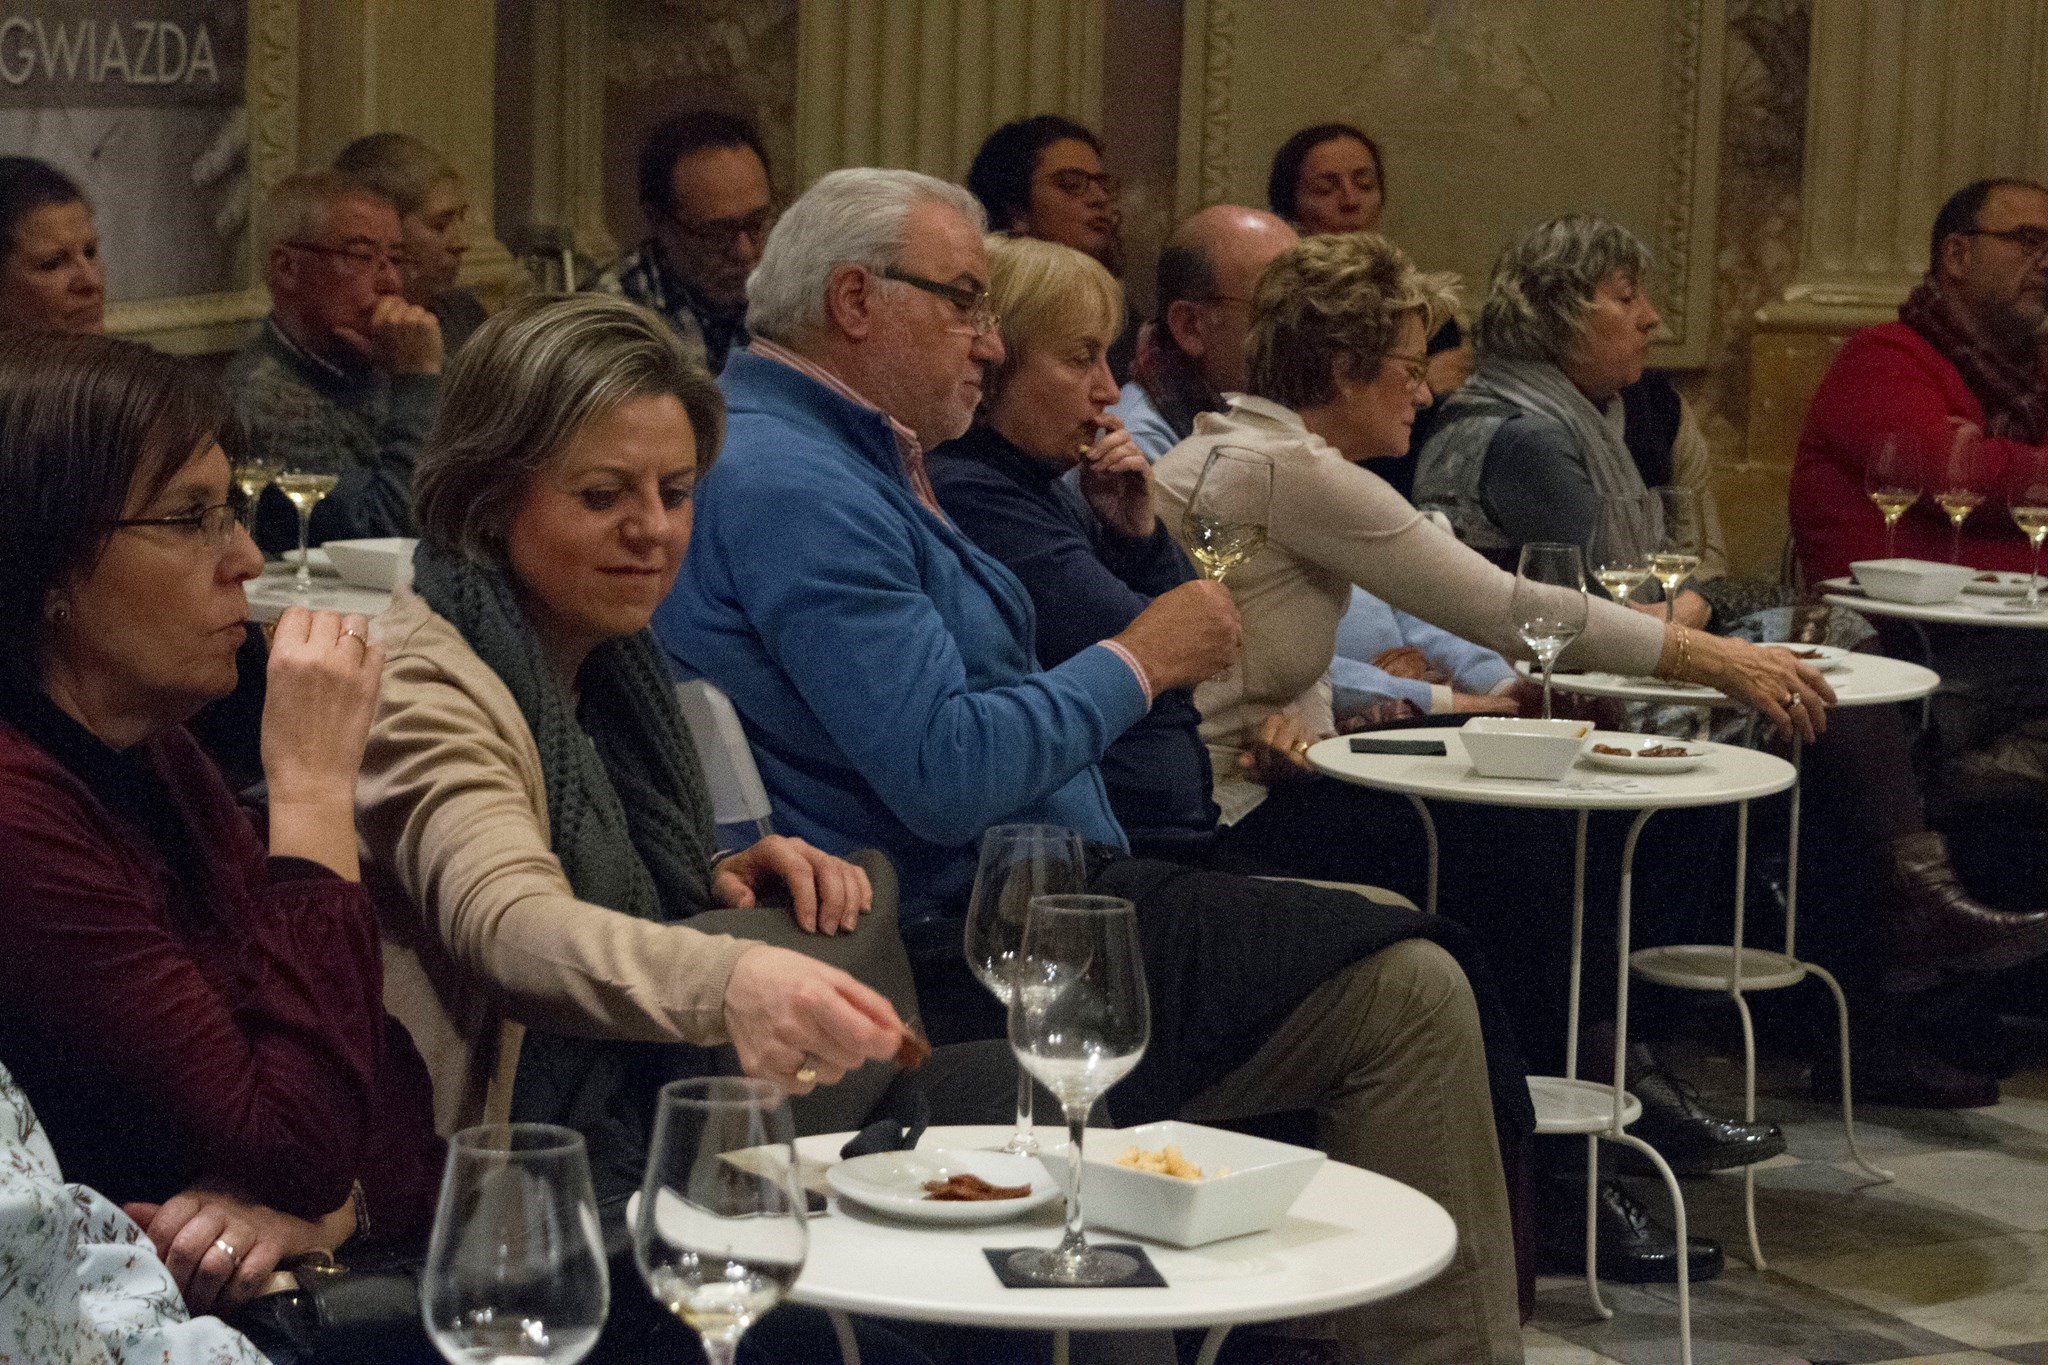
(359,254)
(720,235)
(1077,182)
(2032,241)
(970,304)
(215,525)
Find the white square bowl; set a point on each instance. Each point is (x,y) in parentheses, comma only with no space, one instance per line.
(1265,1179)
(1540,750)
(1919,581)
(381,564)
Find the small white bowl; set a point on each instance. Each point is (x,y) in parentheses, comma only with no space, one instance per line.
(381,564)
(1265,1179)
(1918,581)
(1540,750)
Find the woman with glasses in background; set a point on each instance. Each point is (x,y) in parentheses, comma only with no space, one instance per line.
(194,1007)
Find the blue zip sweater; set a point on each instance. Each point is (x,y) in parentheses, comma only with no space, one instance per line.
(882,665)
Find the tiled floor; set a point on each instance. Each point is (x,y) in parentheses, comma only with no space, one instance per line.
(1948,1265)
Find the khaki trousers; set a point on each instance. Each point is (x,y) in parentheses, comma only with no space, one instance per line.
(1388,1054)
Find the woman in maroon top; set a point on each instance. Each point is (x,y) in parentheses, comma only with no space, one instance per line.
(195,1010)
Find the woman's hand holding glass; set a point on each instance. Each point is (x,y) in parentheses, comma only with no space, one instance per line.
(827,895)
(1116,479)
(788,1014)
(321,693)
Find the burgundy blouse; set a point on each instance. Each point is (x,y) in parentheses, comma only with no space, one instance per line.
(181,1007)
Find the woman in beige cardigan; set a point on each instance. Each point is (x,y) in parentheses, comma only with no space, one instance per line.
(533,815)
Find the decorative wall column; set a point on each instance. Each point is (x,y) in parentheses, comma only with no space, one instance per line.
(920,83)
(563,85)
(1908,101)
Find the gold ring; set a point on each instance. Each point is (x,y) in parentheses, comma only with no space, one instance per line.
(353,634)
(807,1071)
(222,1244)
(1301,747)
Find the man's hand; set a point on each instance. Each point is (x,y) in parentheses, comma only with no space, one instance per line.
(401,338)
(1188,634)
(827,895)
(188,1229)
(1116,478)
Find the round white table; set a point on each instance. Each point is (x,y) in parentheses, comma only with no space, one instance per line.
(1862,680)
(1565,1104)
(270,594)
(1967,608)
(1351,1238)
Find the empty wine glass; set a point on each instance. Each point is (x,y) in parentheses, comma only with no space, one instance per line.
(1548,608)
(1018,863)
(252,476)
(1961,485)
(1618,552)
(1680,541)
(719,1234)
(305,490)
(2026,498)
(1892,482)
(1227,515)
(1079,1022)
(515,1268)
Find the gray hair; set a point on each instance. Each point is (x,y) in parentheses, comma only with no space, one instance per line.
(298,208)
(529,379)
(1542,286)
(397,165)
(850,217)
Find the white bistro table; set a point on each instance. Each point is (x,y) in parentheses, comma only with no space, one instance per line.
(1351,1238)
(1967,609)
(1566,1104)
(270,594)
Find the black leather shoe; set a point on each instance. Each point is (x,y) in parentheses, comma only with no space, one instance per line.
(1634,1247)
(1687,1136)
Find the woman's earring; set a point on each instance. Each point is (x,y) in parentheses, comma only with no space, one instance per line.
(58,612)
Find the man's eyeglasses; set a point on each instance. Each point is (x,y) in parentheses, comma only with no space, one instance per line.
(970,304)
(1077,182)
(1415,366)
(361,255)
(2032,241)
(720,235)
(215,525)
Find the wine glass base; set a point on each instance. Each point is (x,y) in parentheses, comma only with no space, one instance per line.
(1020,1144)
(1088,1266)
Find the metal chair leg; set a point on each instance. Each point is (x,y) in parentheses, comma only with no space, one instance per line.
(1684,1253)
(1756,1251)
(1593,1227)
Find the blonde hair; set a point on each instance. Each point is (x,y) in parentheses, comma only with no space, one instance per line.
(1045,293)
(1337,297)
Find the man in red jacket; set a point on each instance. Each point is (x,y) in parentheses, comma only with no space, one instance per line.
(1964,353)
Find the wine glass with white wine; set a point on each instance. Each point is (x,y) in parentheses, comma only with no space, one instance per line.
(719,1233)
(1018,864)
(515,1271)
(1618,554)
(1889,481)
(252,476)
(305,490)
(1962,490)
(1679,541)
(2026,497)
(1548,608)
(1226,518)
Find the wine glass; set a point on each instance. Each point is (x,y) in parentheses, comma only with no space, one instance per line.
(719,1234)
(252,476)
(1619,549)
(1961,487)
(1679,542)
(2026,497)
(1890,483)
(1018,863)
(305,490)
(1226,518)
(515,1268)
(1079,1022)
(1548,608)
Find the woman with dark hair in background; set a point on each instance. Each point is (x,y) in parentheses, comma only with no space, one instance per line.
(51,277)
(196,1010)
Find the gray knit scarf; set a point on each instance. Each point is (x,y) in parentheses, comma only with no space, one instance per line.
(629,818)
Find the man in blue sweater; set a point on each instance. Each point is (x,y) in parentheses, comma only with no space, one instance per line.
(884,669)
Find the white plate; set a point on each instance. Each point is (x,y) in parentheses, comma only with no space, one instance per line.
(2008,585)
(1832,658)
(1629,763)
(315,557)
(892,1183)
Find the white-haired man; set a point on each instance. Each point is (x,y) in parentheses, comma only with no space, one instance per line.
(343,375)
(883,667)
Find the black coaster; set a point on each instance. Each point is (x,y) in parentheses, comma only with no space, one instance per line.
(1146,1276)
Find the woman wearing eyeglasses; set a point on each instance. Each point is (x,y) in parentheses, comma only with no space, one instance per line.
(1042,177)
(194,1007)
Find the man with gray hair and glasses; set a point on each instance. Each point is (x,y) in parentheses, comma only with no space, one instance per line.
(343,375)
(884,670)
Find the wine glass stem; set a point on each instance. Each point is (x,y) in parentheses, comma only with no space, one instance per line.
(1955,542)
(1548,660)
(2034,577)
(1891,537)
(304,581)
(1072,1243)
(1023,1144)
(719,1352)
